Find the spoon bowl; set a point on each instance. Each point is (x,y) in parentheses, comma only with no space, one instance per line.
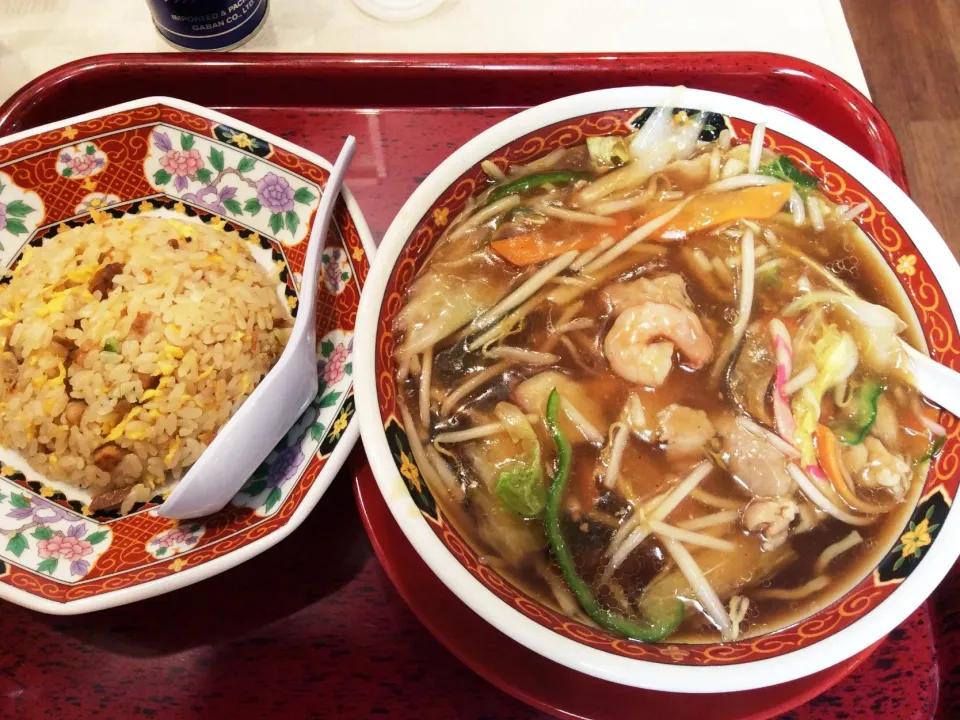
(936,382)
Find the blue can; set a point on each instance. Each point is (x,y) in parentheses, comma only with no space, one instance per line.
(208,24)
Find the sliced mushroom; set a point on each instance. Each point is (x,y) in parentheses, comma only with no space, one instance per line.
(750,376)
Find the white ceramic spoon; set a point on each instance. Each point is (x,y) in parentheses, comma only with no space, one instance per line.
(280,398)
(935,382)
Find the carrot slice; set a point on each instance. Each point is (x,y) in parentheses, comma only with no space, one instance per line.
(828,452)
(712,209)
(701,213)
(535,247)
(532,248)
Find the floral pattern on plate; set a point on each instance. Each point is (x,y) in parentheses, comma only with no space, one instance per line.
(916,539)
(230,182)
(95,201)
(336,269)
(81,161)
(56,554)
(45,537)
(176,540)
(20,211)
(326,417)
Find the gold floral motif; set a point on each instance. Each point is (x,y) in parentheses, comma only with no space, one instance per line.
(69,132)
(177,565)
(145,206)
(410,471)
(89,184)
(340,424)
(217,222)
(915,539)
(46,491)
(179,207)
(242,140)
(906,265)
(62,228)
(440,216)
(358,253)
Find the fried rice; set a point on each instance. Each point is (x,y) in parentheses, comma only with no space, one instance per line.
(127,345)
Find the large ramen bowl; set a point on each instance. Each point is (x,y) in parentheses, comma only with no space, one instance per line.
(894,577)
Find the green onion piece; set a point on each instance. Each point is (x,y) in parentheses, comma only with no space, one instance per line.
(661,618)
(935,447)
(528,182)
(111,346)
(785,169)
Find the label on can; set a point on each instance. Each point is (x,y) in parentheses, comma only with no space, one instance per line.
(207,24)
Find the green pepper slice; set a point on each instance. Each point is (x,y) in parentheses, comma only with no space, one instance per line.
(528,182)
(661,619)
(854,428)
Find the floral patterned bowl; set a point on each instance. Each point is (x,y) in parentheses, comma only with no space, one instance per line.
(166,157)
(899,578)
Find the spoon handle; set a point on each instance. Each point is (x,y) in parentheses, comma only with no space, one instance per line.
(306,319)
(936,382)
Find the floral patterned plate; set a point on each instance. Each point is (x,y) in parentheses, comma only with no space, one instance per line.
(166,157)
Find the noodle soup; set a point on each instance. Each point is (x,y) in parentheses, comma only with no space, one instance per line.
(657,381)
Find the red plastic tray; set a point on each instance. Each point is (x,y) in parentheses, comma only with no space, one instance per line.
(313,626)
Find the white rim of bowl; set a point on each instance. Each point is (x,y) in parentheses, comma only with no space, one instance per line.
(753,674)
(217,565)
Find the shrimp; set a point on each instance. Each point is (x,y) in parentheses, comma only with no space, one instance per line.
(632,355)
(670,289)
